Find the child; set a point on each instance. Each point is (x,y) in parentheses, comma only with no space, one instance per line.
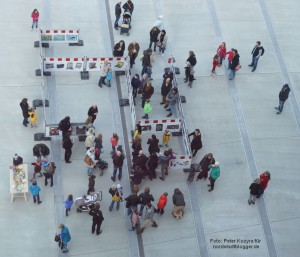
(215,63)
(32,116)
(37,169)
(35,190)
(109,76)
(162,203)
(221,51)
(135,220)
(35,19)
(68,204)
(114,142)
(255,190)
(147,109)
(166,138)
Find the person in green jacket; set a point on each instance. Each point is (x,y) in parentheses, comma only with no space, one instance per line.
(147,109)
(214,174)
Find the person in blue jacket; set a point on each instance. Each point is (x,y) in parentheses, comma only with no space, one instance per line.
(68,204)
(109,76)
(65,237)
(35,191)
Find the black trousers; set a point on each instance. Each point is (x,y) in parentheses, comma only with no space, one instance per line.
(212,182)
(68,153)
(48,177)
(132,59)
(96,225)
(194,151)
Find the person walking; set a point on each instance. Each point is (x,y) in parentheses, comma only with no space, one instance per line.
(135,84)
(67,145)
(255,190)
(135,220)
(165,89)
(97,219)
(93,112)
(147,109)
(193,61)
(152,165)
(221,52)
(154,32)
(37,169)
(132,201)
(98,147)
(257,52)
(114,140)
(25,107)
(119,49)
(103,73)
(179,204)
(137,136)
(91,185)
(68,204)
(164,164)
(147,92)
(65,237)
(171,99)
(207,160)
(145,198)
(162,40)
(90,139)
(196,143)
(148,218)
(153,145)
(234,64)
(161,204)
(35,19)
(214,174)
(265,177)
(118,160)
(283,96)
(49,170)
(133,51)
(128,6)
(115,197)
(35,191)
(146,63)
(215,63)
(118,12)
(65,126)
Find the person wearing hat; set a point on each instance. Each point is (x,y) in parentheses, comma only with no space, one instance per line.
(214,174)
(17,160)
(97,219)
(92,112)
(25,107)
(65,237)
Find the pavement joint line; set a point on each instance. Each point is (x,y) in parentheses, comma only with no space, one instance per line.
(55,142)
(237,106)
(286,78)
(232,229)
(135,242)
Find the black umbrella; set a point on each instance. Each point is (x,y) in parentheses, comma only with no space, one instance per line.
(40,150)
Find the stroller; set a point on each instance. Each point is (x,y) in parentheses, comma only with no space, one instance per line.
(193,169)
(126,24)
(102,165)
(88,202)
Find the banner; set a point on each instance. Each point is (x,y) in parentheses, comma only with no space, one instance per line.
(63,64)
(116,63)
(160,125)
(59,36)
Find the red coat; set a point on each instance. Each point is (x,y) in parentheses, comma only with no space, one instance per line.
(162,202)
(264,180)
(35,16)
(222,51)
(230,55)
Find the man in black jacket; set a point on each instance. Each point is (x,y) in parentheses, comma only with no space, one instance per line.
(132,202)
(17,160)
(97,219)
(24,106)
(145,198)
(118,12)
(118,159)
(196,143)
(92,112)
(146,63)
(257,52)
(153,37)
(67,145)
(165,89)
(233,64)
(128,6)
(283,95)
(65,126)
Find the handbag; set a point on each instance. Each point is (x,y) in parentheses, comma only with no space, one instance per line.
(237,67)
(88,160)
(116,198)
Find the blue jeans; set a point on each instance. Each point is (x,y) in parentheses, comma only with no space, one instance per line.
(162,49)
(150,45)
(172,108)
(108,83)
(147,70)
(146,116)
(117,20)
(254,63)
(35,23)
(112,205)
(115,172)
(280,107)
(101,81)
(231,74)
(65,247)
(90,171)
(141,209)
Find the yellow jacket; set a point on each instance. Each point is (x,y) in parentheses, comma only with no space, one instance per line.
(32,116)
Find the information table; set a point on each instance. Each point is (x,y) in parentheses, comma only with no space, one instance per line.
(18,180)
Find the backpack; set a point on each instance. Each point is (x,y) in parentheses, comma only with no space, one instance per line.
(263,51)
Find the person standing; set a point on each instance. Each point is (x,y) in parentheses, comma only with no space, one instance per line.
(164,164)
(68,204)
(118,160)
(103,73)
(114,142)
(118,12)
(93,112)
(166,138)
(91,154)
(196,143)
(65,237)
(119,49)
(115,197)
(154,32)
(214,174)
(98,147)
(65,126)
(135,220)
(162,202)
(132,202)
(255,189)
(35,19)
(133,51)
(35,191)
(25,107)
(49,170)
(153,145)
(147,92)
(146,63)
(265,177)
(91,185)
(193,61)
(207,160)
(221,52)
(32,117)
(165,89)
(148,218)
(90,139)
(179,204)
(162,40)
(172,100)
(128,6)
(135,83)
(145,198)
(152,164)
(67,145)
(283,96)
(17,160)
(233,64)
(97,219)
(137,136)
(147,109)
(257,52)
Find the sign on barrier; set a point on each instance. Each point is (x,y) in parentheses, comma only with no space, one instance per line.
(63,64)
(160,125)
(77,129)
(181,162)
(116,63)
(59,36)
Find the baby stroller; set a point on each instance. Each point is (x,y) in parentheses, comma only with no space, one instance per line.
(102,165)
(88,202)
(126,24)
(193,169)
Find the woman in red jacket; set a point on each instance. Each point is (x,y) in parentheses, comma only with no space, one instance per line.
(35,19)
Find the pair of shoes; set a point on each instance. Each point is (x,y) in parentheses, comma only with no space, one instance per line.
(168,110)
(208,185)
(68,162)
(113,179)
(250,65)
(209,190)
(65,251)
(39,202)
(167,145)
(116,28)
(99,232)
(253,70)
(104,83)
(100,85)
(276,108)
(162,103)
(166,173)
(162,178)
(278,112)
(119,177)
(160,145)
(166,106)
(144,117)
(169,115)
(252,202)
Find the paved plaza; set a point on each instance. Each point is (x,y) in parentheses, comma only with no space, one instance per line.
(237,119)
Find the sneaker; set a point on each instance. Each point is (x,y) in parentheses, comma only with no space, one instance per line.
(162,178)
(39,202)
(276,108)
(99,232)
(168,110)
(169,115)
(250,65)
(161,103)
(166,106)
(278,112)
(209,190)
(113,179)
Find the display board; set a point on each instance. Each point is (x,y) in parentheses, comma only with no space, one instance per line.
(18,180)
(181,162)
(59,36)
(63,64)
(160,125)
(116,63)
(77,129)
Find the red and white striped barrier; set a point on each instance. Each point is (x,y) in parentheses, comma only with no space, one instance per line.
(63,64)
(59,36)
(160,125)
(115,63)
